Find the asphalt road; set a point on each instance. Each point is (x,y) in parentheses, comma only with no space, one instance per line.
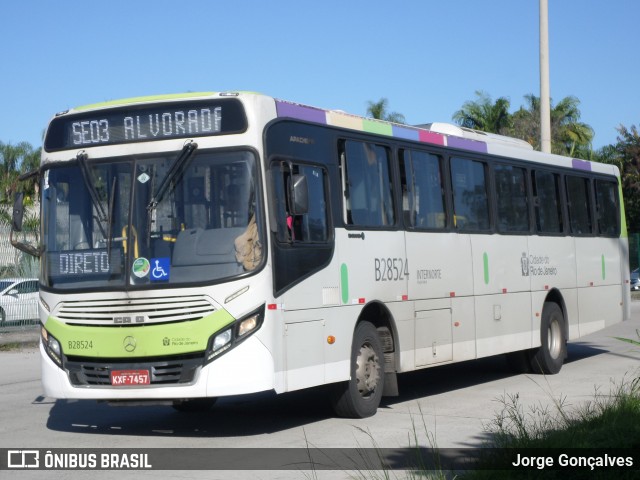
(448,407)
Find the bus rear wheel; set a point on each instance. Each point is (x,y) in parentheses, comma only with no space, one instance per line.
(360,396)
(549,357)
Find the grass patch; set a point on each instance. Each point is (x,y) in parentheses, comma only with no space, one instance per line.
(12,346)
(609,421)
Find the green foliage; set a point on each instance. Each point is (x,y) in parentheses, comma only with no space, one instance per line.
(14,161)
(609,421)
(378,110)
(485,115)
(569,136)
(625,155)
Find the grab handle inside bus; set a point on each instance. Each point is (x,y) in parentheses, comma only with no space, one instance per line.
(299,194)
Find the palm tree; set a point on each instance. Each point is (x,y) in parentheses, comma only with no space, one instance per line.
(484,114)
(569,136)
(570,132)
(378,110)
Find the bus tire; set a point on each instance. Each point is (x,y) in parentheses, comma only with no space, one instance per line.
(360,396)
(194,405)
(549,357)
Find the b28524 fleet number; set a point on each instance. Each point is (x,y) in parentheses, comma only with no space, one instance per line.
(391,269)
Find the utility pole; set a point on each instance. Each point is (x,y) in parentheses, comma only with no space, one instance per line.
(545,107)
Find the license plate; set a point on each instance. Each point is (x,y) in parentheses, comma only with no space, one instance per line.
(130,377)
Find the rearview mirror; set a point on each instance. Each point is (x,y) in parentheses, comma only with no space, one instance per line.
(18,212)
(16,226)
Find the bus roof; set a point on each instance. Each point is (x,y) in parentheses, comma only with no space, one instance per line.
(439,133)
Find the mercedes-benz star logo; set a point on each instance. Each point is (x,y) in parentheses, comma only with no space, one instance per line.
(129,344)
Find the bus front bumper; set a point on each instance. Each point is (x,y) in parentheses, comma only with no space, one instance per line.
(247,368)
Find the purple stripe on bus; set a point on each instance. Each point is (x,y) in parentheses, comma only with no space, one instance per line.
(408,133)
(467,144)
(580,164)
(301,112)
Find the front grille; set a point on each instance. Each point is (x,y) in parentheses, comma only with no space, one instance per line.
(178,370)
(134,311)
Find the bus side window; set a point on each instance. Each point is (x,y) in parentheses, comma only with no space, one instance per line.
(423,191)
(366,180)
(607,208)
(548,207)
(579,202)
(511,198)
(312,226)
(470,198)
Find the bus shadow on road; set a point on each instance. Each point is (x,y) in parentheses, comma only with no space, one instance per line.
(448,378)
(267,412)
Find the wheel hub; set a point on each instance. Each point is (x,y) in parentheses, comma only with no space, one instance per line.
(368,371)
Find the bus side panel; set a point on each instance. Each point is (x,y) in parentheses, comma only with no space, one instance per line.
(503,323)
(440,265)
(464,328)
(598,279)
(599,307)
(305,352)
(598,262)
(373,266)
(551,263)
(625,276)
(498,265)
(501,285)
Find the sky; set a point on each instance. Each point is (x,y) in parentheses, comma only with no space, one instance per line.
(426,57)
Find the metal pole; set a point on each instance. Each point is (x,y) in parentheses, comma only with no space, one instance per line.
(545,108)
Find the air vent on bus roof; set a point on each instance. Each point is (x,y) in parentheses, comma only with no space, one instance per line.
(491,138)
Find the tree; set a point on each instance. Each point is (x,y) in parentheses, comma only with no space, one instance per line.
(14,160)
(625,154)
(378,110)
(484,114)
(569,136)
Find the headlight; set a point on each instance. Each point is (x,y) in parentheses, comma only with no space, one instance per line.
(221,340)
(227,339)
(51,346)
(248,325)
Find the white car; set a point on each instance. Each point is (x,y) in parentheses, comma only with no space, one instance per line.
(18,299)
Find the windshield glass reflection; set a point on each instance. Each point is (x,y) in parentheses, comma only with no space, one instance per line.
(204,228)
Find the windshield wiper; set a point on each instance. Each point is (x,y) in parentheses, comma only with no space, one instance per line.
(176,170)
(93,193)
(110,217)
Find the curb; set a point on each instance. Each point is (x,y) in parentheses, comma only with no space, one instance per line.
(23,337)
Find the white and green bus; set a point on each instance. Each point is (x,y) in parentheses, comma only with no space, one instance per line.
(211,244)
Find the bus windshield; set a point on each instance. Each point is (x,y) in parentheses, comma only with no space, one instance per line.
(104,224)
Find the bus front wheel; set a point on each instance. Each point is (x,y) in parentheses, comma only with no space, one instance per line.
(549,357)
(360,396)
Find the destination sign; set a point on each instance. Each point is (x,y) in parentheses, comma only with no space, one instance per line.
(84,263)
(145,123)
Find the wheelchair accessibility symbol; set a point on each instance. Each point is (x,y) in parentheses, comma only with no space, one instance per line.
(160,268)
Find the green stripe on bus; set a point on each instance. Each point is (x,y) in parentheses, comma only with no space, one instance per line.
(344,282)
(149,340)
(623,219)
(150,98)
(372,126)
(485,259)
